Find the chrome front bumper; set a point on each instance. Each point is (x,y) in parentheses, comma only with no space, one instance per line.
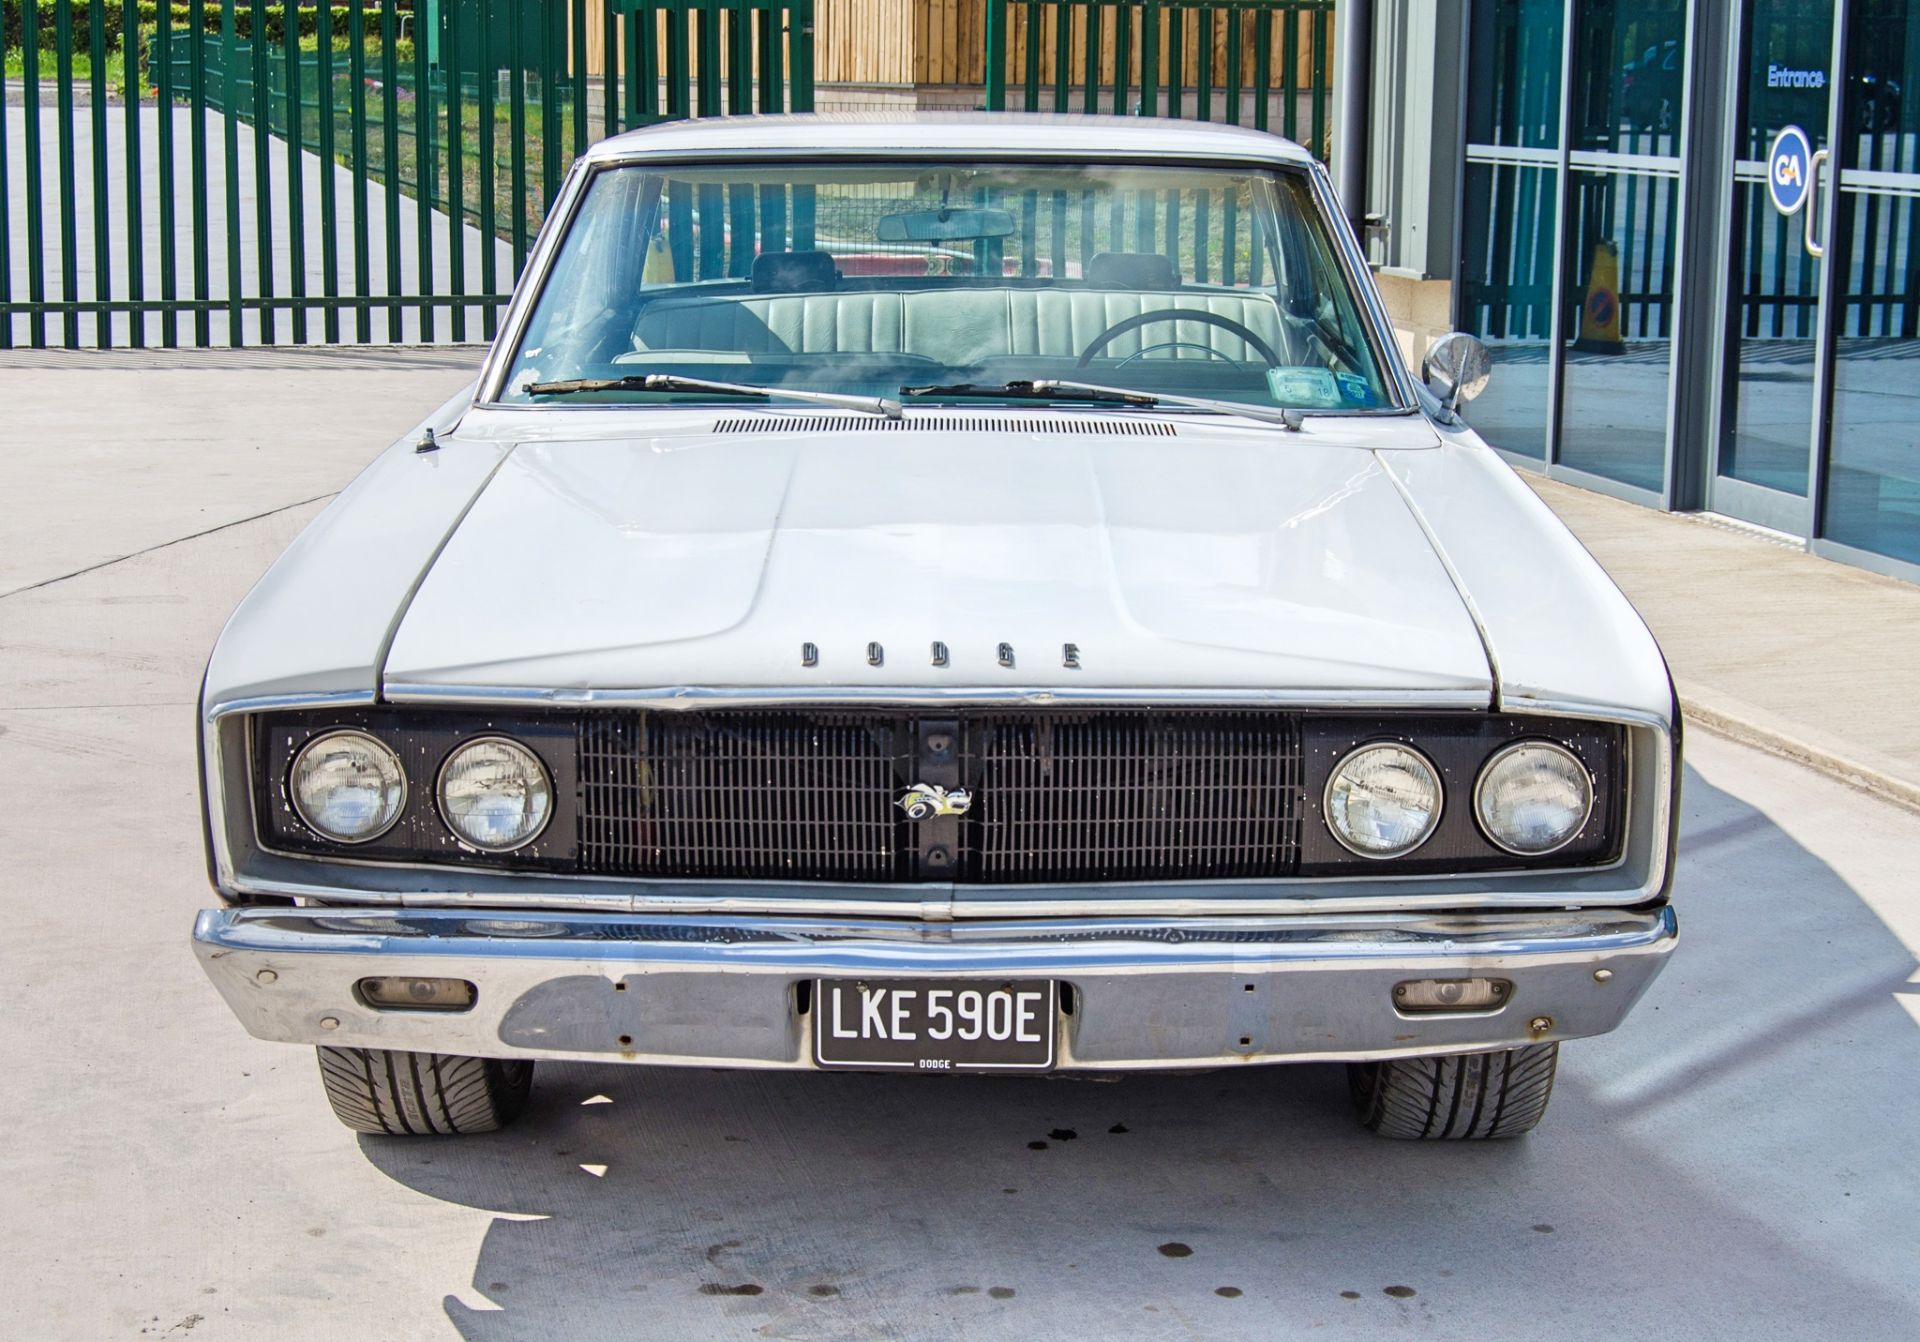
(732,992)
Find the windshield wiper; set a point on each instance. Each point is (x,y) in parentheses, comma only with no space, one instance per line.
(1051,389)
(871,405)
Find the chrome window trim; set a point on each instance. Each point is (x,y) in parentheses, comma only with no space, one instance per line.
(539,266)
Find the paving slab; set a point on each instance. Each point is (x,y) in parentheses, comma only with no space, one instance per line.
(1815,659)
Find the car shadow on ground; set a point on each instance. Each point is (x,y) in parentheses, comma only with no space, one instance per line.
(1736,1162)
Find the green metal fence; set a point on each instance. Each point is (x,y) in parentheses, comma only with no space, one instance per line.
(1263,63)
(234,172)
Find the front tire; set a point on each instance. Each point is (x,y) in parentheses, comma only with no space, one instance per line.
(420,1094)
(1467,1096)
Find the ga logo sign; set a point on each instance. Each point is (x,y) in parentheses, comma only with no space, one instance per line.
(1788,178)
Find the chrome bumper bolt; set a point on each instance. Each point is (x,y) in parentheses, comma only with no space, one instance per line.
(1539,1024)
(266,976)
(1602,975)
(329,1022)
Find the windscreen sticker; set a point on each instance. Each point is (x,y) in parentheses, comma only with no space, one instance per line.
(1355,388)
(1304,386)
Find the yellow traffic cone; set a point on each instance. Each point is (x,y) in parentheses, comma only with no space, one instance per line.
(1600,313)
(659,264)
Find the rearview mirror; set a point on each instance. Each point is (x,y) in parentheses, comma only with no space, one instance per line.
(959,224)
(1456,367)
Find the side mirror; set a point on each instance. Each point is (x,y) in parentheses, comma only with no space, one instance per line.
(1456,368)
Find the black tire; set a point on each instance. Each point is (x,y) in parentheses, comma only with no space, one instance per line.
(1468,1096)
(420,1094)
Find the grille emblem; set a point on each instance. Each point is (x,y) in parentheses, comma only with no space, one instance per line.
(922,801)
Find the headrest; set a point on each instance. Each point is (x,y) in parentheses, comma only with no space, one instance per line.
(793,272)
(1131,270)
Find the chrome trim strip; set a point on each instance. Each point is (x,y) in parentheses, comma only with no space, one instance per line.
(1513,155)
(692,698)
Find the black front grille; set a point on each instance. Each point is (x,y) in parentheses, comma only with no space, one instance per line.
(1106,795)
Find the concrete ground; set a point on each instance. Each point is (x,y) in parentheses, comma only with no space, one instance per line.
(1735,1163)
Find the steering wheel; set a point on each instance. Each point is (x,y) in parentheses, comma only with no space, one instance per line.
(1207,350)
(1134,323)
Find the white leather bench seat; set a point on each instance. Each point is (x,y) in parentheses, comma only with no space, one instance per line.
(955,327)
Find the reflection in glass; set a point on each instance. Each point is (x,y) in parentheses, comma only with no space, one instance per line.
(1775,282)
(1506,298)
(1630,61)
(1873,475)
(1513,97)
(1619,302)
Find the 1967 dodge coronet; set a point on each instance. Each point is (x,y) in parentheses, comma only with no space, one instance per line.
(944,594)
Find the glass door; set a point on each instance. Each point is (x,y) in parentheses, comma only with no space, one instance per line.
(1774,329)
(1867,490)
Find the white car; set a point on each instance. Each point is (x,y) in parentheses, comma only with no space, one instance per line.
(952,593)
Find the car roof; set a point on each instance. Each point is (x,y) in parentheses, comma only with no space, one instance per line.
(944,133)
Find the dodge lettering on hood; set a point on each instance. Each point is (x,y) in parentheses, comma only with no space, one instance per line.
(955,593)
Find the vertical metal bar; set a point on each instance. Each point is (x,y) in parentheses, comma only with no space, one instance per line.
(740,210)
(102,239)
(1122,56)
(63,138)
(1031,93)
(426,173)
(1562,207)
(739,45)
(1233,75)
(390,159)
(30,173)
(1062,54)
(1090,99)
(1321,23)
(577,77)
(550,127)
(1203,22)
(802,58)
(1176,62)
(197,145)
(296,166)
(1058,250)
(357,135)
(517,133)
(1820,450)
(1149,60)
(451,68)
(707,25)
(611,58)
(261,108)
(1029,234)
(643,93)
(996,61)
(6,201)
(1263,78)
(230,144)
(488,73)
(329,172)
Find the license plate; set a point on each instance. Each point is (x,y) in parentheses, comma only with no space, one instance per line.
(935,1025)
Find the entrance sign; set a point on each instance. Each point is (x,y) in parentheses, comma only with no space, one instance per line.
(1789,170)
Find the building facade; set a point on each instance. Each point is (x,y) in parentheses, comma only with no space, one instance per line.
(1593,178)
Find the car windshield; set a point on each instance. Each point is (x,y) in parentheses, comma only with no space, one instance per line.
(947,282)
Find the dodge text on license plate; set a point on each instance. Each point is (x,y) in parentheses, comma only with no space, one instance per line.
(935,1025)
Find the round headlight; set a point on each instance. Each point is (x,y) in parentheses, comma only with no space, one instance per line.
(348,786)
(495,794)
(1383,800)
(1533,797)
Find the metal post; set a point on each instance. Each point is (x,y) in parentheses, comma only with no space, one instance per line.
(1353,87)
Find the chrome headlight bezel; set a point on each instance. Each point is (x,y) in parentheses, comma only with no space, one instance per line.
(539,771)
(1334,777)
(376,747)
(1493,762)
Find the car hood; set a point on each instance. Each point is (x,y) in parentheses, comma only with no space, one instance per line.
(848,559)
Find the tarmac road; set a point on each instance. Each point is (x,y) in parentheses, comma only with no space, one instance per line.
(1738,1162)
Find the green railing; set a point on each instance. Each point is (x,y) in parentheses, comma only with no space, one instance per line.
(232,172)
(1263,63)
